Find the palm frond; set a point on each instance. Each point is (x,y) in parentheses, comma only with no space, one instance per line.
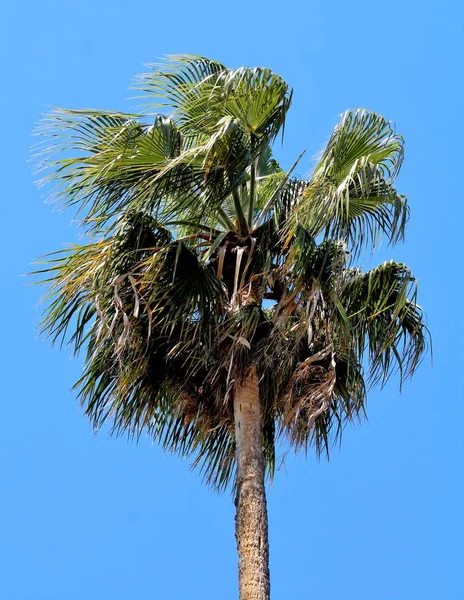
(351,193)
(386,320)
(202,92)
(174,83)
(114,164)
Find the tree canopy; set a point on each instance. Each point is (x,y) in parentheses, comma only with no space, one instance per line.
(202,257)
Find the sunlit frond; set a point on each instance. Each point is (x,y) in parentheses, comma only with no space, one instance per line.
(351,194)
(174,83)
(109,162)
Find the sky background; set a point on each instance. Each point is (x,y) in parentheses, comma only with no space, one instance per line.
(88,516)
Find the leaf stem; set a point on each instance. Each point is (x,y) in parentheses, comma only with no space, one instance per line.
(277,192)
(251,200)
(239,212)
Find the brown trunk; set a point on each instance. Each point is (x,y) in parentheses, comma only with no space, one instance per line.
(251,528)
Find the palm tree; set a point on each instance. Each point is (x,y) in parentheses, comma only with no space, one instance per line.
(216,295)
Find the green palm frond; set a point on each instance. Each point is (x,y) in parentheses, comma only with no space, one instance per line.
(351,193)
(257,98)
(174,83)
(202,92)
(386,320)
(115,164)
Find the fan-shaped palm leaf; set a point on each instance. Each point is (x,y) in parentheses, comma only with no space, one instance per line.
(351,194)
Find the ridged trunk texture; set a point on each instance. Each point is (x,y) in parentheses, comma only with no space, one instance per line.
(251,526)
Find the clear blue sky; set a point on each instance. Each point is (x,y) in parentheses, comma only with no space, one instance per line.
(86,516)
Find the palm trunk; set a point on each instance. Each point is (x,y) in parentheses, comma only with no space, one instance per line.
(251,527)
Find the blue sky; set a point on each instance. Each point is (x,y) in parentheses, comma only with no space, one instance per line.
(85,516)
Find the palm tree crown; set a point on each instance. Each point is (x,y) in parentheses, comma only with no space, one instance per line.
(204,258)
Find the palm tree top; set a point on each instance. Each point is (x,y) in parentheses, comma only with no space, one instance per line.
(203,257)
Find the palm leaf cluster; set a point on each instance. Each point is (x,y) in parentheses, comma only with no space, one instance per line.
(203,257)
